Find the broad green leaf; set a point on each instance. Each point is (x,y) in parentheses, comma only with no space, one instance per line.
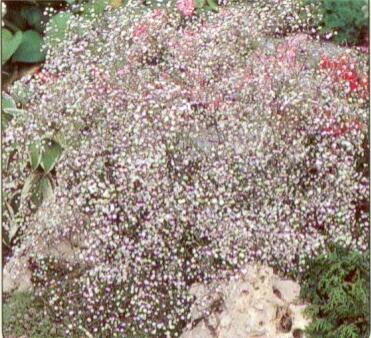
(60,139)
(45,189)
(29,184)
(38,187)
(99,6)
(50,156)
(34,152)
(213,5)
(41,191)
(30,50)
(33,16)
(95,7)
(9,44)
(7,101)
(57,27)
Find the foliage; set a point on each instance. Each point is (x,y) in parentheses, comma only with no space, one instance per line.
(342,20)
(25,21)
(38,185)
(9,44)
(23,315)
(336,284)
(30,49)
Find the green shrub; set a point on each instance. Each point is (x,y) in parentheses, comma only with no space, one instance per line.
(23,315)
(346,21)
(336,285)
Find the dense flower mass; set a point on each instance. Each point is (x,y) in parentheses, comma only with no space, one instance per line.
(191,146)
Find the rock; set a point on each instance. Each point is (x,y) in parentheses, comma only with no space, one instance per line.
(199,331)
(17,276)
(300,321)
(256,303)
(289,290)
(16,272)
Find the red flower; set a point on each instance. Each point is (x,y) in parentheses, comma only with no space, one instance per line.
(341,70)
(339,129)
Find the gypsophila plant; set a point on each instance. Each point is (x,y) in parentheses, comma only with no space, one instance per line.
(192,144)
(336,284)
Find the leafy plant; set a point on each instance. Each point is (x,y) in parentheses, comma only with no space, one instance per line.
(26,23)
(38,186)
(343,20)
(337,286)
(23,315)
(9,108)
(22,36)
(57,27)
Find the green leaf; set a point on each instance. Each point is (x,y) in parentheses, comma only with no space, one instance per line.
(34,152)
(41,191)
(50,155)
(213,5)
(200,3)
(57,27)
(29,184)
(7,101)
(59,138)
(5,119)
(45,189)
(30,50)
(99,6)
(33,16)
(15,111)
(38,187)
(9,44)
(96,7)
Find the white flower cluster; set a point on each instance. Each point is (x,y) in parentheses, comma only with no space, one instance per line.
(3,12)
(192,146)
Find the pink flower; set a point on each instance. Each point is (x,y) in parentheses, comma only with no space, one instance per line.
(156,13)
(140,30)
(186,7)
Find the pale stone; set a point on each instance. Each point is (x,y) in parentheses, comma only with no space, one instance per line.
(249,307)
(17,276)
(16,272)
(288,289)
(200,331)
